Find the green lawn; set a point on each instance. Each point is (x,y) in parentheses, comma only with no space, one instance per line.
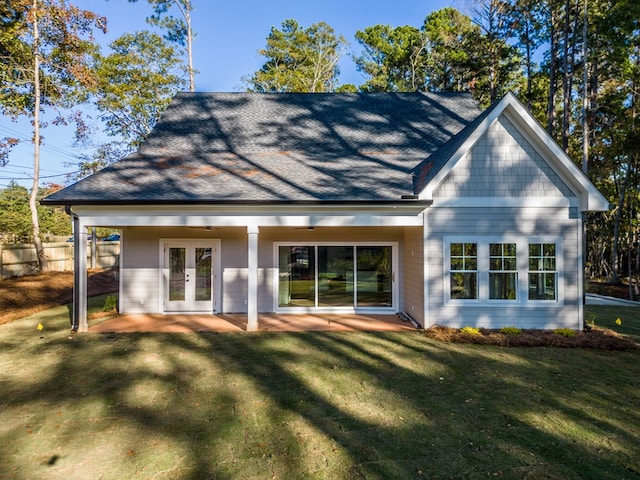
(312,405)
(606,316)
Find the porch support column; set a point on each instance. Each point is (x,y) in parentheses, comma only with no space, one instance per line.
(79,316)
(426,323)
(252,292)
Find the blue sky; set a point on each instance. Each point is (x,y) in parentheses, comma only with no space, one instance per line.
(229,34)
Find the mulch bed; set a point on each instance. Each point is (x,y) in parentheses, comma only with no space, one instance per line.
(24,296)
(596,338)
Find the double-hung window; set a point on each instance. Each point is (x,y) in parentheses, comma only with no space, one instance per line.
(490,270)
(464,271)
(542,271)
(503,271)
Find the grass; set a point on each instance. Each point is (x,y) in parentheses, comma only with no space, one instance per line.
(311,405)
(605,317)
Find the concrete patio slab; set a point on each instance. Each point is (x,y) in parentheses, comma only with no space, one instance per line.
(238,323)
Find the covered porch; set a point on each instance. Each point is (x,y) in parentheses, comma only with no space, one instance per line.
(247,253)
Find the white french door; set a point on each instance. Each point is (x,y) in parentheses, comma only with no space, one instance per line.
(189,277)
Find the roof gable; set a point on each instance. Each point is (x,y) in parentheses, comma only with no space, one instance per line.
(431,173)
(502,163)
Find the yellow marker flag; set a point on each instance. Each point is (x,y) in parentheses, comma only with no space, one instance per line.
(618,321)
(40,326)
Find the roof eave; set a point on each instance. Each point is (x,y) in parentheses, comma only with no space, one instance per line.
(118,203)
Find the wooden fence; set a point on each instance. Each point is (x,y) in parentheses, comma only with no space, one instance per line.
(18,260)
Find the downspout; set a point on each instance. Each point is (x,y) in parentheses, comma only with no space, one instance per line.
(582,253)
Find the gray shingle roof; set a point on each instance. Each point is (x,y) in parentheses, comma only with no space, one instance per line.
(248,147)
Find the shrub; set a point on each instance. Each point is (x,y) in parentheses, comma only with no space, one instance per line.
(511,330)
(471,331)
(565,332)
(110,304)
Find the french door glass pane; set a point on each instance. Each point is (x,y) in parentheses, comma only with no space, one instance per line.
(297,285)
(374,276)
(177,274)
(203,274)
(335,276)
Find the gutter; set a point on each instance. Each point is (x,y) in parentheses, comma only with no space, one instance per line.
(404,199)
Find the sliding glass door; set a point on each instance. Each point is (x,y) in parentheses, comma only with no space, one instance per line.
(297,287)
(355,276)
(374,277)
(335,276)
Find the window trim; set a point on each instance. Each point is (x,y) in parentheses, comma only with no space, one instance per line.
(522,272)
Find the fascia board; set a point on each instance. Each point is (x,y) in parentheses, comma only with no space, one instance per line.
(396,215)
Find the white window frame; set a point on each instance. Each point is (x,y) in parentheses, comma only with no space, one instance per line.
(503,270)
(556,272)
(522,261)
(394,308)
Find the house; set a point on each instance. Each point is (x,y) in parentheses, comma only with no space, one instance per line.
(401,203)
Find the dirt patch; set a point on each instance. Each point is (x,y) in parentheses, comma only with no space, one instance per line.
(24,296)
(609,289)
(595,338)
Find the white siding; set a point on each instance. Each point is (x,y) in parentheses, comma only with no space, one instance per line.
(513,223)
(141,261)
(414,274)
(140,272)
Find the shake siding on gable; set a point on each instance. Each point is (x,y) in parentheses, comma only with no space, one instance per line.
(503,164)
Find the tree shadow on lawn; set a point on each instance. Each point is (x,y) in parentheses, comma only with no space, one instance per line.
(311,405)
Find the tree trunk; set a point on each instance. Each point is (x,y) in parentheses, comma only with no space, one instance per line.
(185,9)
(567,65)
(585,92)
(529,66)
(553,65)
(615,247)
(37,241)
(192,82)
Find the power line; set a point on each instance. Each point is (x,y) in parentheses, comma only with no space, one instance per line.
(45,146)
(41,176)
(28,167)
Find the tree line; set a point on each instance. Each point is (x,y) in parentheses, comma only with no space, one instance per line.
(574,63)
